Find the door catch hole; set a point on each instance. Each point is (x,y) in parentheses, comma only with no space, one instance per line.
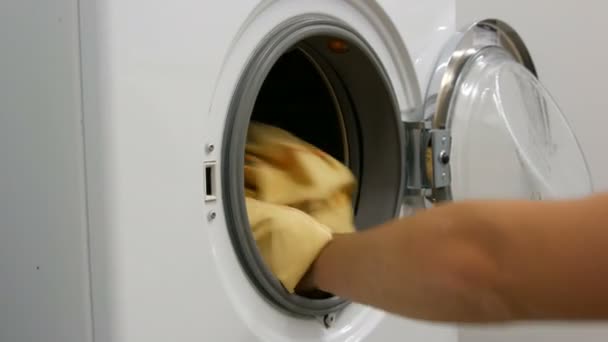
(210,194)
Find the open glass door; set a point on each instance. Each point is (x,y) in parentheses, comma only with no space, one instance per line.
(491,129)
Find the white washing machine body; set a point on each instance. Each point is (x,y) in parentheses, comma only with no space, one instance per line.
(122,237)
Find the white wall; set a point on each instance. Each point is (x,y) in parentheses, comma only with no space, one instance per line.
(43,258)
(568,42)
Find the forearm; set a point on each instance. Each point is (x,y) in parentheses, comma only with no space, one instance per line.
(426,266)
(467,262)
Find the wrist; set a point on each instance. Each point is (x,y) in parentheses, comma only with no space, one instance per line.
(307,284)
(311,281)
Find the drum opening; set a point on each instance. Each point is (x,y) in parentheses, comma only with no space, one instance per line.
(297,97)
(324,85)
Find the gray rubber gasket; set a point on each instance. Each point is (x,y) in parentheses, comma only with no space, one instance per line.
(272,47)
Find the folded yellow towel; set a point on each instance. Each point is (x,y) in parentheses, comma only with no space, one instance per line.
(297,195)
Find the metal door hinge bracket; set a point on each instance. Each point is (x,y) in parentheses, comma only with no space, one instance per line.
(428,156)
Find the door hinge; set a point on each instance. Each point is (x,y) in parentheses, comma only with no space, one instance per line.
(428,157)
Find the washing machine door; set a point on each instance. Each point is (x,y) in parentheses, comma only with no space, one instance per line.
(492,130)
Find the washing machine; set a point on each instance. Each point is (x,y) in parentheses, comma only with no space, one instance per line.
(123,130)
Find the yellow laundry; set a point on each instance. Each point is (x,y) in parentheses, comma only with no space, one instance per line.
(283,169)
(288,239)
(297,196)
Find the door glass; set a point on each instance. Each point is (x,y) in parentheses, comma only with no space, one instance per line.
(509,138)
